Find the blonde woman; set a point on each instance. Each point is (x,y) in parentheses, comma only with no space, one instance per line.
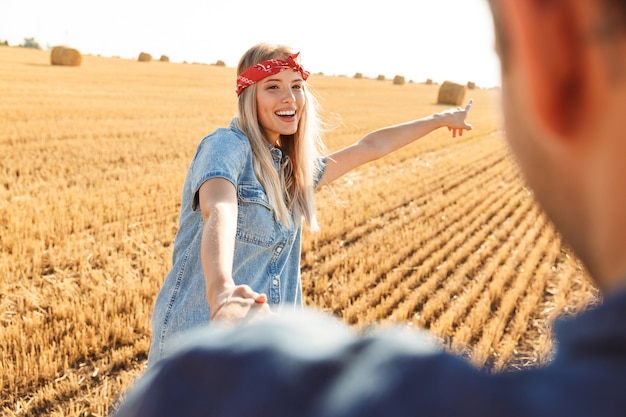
(248,192)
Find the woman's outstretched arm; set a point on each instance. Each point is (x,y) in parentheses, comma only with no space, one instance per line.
(388,139)
(228,302)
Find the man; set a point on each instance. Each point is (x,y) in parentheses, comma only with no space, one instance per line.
(564,98)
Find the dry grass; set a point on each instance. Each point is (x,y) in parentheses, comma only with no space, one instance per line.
(441,234)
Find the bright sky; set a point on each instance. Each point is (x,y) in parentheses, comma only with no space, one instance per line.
(419,39)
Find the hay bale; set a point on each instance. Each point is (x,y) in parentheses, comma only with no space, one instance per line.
(381,77)
(429,81)
(164,58)
(358,75)
(398,80)
(471,85)
(144,57)
(220,63)
(451,93)
(62,55)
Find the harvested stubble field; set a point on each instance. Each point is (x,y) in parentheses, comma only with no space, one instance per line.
(441,235)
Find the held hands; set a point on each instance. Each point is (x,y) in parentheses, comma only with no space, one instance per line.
(455,119)
(239,303)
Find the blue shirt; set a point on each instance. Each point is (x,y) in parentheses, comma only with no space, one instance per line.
(312,366)
(267,253)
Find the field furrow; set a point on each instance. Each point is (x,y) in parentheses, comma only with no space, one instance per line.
(328,257)
(409,256)
(433,271)
(472,325)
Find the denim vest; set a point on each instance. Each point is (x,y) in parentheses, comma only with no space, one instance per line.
(267,253)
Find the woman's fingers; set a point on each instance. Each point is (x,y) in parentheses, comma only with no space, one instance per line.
(241,303)
(261,298)
(461,115)
(244,291)
(468,106)
(456,131)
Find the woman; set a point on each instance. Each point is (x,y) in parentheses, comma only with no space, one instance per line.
(248,191)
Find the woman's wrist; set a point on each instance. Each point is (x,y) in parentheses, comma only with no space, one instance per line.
(217,293)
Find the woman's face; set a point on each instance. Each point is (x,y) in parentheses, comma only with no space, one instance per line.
(280,100)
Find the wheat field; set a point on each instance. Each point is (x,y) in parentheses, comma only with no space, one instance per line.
(441,235)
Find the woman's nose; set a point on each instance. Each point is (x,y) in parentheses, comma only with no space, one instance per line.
(289,96)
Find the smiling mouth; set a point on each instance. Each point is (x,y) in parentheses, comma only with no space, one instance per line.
(286,113)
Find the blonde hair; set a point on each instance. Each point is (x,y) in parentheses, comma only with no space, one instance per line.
(289,191)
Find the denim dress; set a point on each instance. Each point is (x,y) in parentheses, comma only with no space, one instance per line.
(267,253)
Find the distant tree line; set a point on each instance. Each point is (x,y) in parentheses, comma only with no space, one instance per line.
(28,43)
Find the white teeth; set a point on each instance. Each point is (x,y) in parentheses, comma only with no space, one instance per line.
(286,113)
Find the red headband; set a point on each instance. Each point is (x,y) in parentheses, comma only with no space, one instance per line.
(266,68)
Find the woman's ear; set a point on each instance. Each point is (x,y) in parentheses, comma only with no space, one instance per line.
(548,47)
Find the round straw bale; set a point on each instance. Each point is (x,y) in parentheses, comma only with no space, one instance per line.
(381,77)
(62,55)
(220,63)
(429,81)
(451,93)
(471,85)
(398,80)
(144,57)
(164,58)
(358,75)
